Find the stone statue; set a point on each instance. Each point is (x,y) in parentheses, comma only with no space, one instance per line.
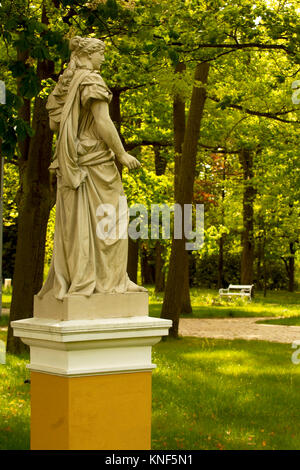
(84,162)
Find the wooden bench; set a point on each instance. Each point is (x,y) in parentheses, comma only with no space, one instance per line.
(241,290)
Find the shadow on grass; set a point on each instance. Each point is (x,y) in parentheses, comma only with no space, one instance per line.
(231,311)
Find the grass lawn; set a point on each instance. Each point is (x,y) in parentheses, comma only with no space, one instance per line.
(206,303)
(14,404)
(291,321)
(217,394)
(207,394)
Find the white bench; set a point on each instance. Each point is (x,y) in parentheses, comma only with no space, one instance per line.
(241,290)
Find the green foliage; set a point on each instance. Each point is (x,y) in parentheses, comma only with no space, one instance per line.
(12,128)
(27,40)
(204,272)
(10,214)
(145,187)
(15,403)
(49,239)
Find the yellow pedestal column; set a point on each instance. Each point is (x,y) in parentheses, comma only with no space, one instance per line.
(91,380)
(92,412)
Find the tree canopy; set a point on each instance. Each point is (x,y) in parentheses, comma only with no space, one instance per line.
(243,166)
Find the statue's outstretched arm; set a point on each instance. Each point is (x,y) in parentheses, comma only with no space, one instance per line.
(107,131)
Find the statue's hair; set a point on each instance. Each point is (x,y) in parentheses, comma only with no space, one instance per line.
(78,46)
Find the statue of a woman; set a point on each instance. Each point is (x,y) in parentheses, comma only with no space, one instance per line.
(84,263)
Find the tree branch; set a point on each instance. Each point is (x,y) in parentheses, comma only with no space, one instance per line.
(257,45)
(153,143)
(120,89)
(218,149)
(274,115)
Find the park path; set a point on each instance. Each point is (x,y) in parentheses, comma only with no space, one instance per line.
(238,328)
(234,328)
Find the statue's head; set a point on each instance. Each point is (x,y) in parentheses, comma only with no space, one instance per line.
(87,52)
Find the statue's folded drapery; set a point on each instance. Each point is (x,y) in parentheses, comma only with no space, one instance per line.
(87,177)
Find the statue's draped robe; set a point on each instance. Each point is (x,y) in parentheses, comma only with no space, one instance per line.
(83,261)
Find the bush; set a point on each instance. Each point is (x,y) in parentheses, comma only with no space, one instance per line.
(204,272)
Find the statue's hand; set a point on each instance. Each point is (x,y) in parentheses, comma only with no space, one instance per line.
(129,161)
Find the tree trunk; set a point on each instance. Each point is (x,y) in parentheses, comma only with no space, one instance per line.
(221,262)
(159,160)
(186,306)
(133,259)
(160,168)
(264,261)
(159,264)
(171,308)
(259,267)
(222,238)
(246,160)
(179,133)
(34,204)
(260,242)
(290,267)
(179,130)
(147,267)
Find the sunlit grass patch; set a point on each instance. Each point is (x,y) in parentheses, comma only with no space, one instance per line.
(217,394)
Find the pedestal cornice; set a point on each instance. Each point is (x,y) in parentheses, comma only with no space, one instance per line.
(89,347)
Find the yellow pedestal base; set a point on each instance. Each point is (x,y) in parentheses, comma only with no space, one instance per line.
(91,381)
(101,412)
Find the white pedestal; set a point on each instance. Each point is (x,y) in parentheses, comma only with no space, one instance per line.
(85,347)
